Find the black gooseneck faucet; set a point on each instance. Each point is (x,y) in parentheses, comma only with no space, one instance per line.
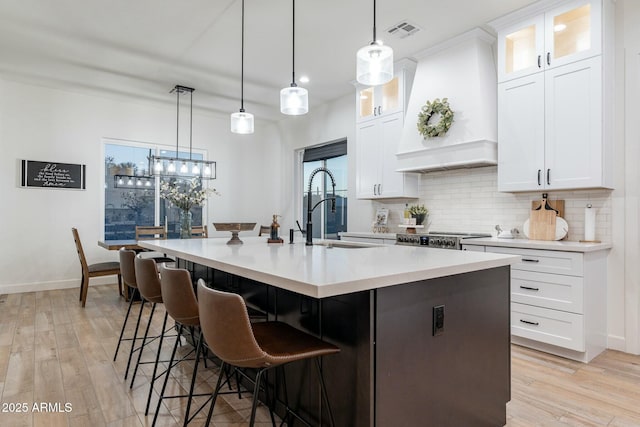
(309,231)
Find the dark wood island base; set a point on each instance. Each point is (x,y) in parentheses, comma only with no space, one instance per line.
(392,370)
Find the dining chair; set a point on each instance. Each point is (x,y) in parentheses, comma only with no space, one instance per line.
(199,231)
(152,232)
(93,270)
(225,325)
(264,229)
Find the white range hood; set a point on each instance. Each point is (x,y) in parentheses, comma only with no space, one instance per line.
(463,70)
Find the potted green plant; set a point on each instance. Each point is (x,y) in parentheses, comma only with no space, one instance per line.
(419,212)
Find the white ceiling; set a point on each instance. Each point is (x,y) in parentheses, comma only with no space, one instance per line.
(143,48)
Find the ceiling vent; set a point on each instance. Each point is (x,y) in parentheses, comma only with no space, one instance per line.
(403,29)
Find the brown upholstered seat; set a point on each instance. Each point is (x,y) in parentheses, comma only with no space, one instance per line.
(93,270)
(238,342)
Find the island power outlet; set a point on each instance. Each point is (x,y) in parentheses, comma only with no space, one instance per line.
(438,320)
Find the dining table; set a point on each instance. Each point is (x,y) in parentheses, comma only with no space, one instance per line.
(114,245)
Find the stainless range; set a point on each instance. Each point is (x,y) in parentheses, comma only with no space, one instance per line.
(434,239)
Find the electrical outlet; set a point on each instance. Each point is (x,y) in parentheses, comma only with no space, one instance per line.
(438,320)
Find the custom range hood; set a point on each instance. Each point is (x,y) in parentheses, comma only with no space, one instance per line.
(463,70)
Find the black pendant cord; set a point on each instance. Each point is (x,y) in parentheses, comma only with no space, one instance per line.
(242,65)
(374,22)
(293,46)
(177,119)
(190,125)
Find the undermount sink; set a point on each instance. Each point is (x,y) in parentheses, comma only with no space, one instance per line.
(345,245)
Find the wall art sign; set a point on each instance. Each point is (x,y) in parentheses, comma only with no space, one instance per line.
(53,175)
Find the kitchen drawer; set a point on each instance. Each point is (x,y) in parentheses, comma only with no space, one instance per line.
(473,248)
(543,261)
(546,290)
(549,326)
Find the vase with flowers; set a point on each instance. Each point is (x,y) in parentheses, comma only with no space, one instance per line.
(185,195)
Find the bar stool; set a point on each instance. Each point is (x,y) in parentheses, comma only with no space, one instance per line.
(262,345)
(180,302)
(149,287)
(127,269)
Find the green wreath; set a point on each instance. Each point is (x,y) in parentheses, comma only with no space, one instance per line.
(428,110)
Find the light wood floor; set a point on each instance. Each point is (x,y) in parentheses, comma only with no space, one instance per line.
(53,351)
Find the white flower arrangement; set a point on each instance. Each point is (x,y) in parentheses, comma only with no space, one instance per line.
(185,196)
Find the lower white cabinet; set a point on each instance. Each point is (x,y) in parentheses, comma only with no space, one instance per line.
(373,240)
(558,300)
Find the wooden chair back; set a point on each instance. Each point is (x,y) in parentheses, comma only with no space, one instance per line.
(145,232)
(199,231)
(83,259)
(264,229)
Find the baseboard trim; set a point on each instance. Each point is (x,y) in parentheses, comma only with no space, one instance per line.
(53,285)
(615,342)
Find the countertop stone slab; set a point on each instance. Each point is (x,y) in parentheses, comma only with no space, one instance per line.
(319,271)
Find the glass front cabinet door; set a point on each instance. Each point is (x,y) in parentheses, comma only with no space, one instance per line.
(376,101)
(563,35)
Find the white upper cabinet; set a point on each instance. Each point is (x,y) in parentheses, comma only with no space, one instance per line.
(554,123)
(565,34)
(378,101)
(380,119)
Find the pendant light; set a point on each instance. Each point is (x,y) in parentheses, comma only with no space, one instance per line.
(174,166)
(375,61)
(242,122)
(294,100)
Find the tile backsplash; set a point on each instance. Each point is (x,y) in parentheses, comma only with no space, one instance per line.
(467,200)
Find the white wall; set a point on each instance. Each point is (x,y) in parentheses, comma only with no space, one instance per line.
(39,123)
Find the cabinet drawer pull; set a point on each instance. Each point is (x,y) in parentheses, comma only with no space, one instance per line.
(529,322)
(380,110)
(548,177)
(539,61)
(374,190)
(530,260)
(539,172)
(529,288)
(548,58)
(379,190)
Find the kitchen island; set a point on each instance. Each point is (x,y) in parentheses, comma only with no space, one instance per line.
(378,304)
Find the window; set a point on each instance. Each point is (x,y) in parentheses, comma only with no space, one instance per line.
(132,198)
(332,156)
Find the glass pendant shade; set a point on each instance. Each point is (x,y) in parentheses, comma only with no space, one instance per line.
(242,122)
(294,101)
(172,167)
(374,64)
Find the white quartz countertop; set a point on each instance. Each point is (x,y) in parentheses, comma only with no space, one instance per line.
(319,271)
(560,245)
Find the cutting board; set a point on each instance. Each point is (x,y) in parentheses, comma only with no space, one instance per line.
(542,222)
